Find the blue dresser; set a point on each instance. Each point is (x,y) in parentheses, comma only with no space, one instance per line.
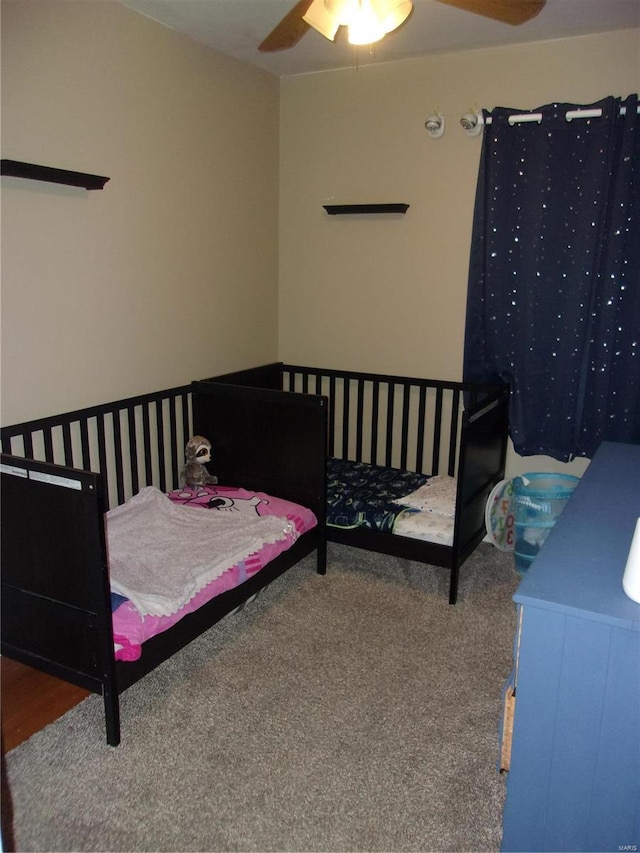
(574,777)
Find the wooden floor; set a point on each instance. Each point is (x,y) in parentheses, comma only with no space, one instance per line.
(30,700)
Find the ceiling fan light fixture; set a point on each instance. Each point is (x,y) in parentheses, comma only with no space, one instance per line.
(327,16)
(365,27)
(367,21)
(392,13)
(342,11)
(319,16)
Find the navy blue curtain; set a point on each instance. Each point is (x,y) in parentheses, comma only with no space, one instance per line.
(554,277)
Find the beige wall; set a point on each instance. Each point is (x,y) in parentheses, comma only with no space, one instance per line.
(388,293)
(171,272)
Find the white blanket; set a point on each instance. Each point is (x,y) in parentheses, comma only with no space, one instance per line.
(438,495)
(161,553)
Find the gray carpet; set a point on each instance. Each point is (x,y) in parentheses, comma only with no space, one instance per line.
(352,712)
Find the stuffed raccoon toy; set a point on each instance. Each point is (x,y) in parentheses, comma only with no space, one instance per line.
(198,453)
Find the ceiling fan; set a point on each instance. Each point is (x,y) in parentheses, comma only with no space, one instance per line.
(327,15)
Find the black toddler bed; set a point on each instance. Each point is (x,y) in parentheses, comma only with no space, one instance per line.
(61,474)
(401,451)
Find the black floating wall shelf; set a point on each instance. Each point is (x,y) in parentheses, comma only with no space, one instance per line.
(16,169)
(334,209)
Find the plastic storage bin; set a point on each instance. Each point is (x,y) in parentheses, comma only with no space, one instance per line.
(538,501)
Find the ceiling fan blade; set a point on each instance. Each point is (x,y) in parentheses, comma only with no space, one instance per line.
(289,31)
(508,11)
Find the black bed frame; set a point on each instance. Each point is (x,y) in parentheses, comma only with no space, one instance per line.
(59,475)
(426,426)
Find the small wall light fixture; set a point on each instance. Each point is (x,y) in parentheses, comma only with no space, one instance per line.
(435,125)
(472,123)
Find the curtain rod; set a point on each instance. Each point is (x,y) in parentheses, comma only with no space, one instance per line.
(571,114)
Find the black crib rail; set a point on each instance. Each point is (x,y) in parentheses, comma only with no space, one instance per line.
(61,473)
(135,442)
(399,409)
(421,425)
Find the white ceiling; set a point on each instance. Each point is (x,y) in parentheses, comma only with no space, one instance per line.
(236,27)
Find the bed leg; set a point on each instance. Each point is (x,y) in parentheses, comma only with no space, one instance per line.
(453,584)
(322,557)
(112,716)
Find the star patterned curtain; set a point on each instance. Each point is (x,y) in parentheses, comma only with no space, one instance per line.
(553,304)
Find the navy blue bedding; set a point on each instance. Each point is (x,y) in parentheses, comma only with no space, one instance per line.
(361,495)
(117,600)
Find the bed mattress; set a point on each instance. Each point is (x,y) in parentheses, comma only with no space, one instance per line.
(133,624)
(390,500)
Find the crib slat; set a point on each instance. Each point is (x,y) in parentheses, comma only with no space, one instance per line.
(66,443)
(375,409)
(389,436)
(84,443)
(146,438)
(186,431)
(453,435)
(404,442)
(346,386)
(28,445)
(332,415)
(117,454)
(47,435)
(102,454)
(173,431)
(422,405)
(133,449)
(359,420)
(186,426)
(435,459)
(161,443)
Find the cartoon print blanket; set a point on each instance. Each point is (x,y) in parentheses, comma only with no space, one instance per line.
(161,553)
(131,628)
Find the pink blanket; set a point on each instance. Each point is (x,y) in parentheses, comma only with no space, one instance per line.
(130,629)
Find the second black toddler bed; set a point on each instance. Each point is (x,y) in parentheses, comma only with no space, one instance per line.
(61,475)
(410,462)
